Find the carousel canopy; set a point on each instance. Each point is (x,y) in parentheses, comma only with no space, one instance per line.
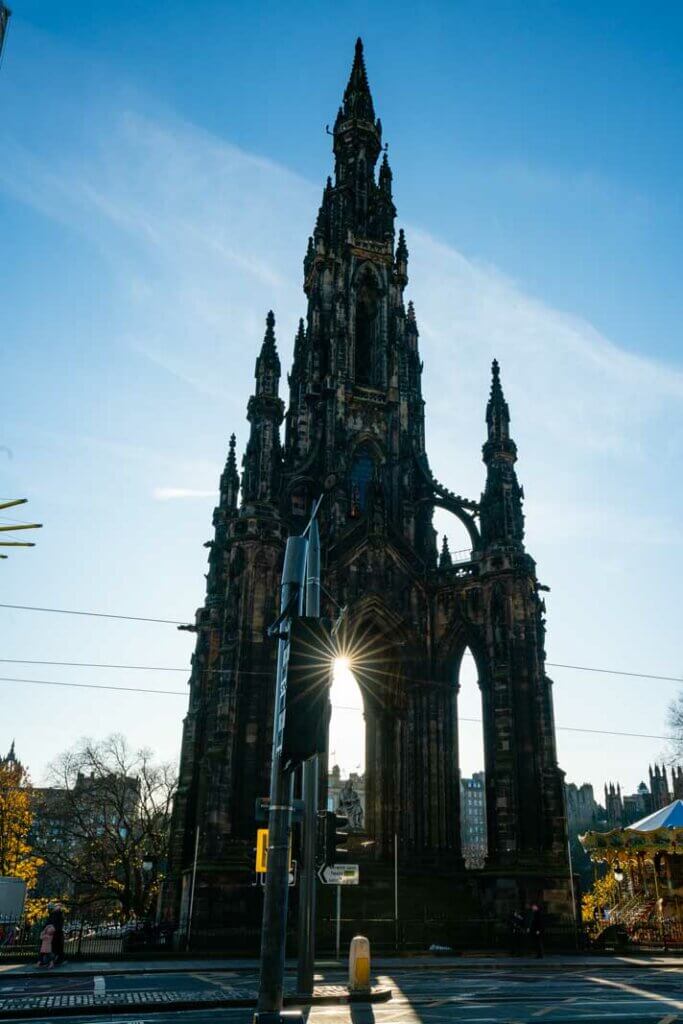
(661,832)
(670,816)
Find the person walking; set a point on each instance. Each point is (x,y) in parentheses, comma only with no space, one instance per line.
(536,929)
(516,933)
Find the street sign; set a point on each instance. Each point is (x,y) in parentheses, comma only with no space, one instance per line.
(339,874)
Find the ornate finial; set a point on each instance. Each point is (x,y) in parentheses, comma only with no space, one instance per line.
(497,401)
(231,448)
(269,336)
(411,323)
(268,357)
(401,248)
(445,560)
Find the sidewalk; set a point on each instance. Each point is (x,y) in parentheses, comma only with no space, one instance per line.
(379,964)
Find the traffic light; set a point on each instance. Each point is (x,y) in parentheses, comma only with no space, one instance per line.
(307,701)
(335,837)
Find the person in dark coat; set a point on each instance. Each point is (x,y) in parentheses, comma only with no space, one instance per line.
(57,920)
(536,929)
(516,932)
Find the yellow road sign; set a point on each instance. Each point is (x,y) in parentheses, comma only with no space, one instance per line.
(262,851)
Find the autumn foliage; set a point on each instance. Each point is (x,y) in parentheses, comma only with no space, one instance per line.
(17,858)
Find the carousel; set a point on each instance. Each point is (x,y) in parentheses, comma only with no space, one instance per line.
(644,872)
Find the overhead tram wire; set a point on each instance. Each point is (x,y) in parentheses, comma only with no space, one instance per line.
(186,669)
(339,707)
(94,614)
(175,622)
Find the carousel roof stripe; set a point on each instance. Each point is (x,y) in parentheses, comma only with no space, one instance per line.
(670,816)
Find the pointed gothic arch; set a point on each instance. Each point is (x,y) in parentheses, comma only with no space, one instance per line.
(367,326)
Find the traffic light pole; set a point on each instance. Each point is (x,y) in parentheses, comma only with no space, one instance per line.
(274,928)
(309,793)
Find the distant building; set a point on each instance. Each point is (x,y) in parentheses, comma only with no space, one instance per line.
(637,805)
(625,809)
(582,809)
(473,820)
(659,787)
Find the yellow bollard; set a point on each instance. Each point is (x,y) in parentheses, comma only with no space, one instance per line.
(359,964)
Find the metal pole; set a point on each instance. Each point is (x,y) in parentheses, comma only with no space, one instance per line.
(396,890)
(338,941)
(194,879)
(571,886)
(309,793)
(274,927)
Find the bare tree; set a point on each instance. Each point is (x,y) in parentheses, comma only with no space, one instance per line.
(674,721)
(107,812)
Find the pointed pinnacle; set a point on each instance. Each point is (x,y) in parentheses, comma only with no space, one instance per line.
(357,98)
(401,247)
(231,449)
(269,348)
(496,386)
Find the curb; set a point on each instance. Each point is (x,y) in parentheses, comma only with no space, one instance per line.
(105,1006)
(603,960)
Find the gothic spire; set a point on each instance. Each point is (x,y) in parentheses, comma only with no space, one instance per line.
(445,560)
(401,264)
(497,412)
(385,175)
(267,370)
(502,519)
(262,459)
(230,481)
(357,98)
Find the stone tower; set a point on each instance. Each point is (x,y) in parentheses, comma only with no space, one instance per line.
(354,431)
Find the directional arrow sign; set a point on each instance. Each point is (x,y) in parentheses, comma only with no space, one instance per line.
(339,874)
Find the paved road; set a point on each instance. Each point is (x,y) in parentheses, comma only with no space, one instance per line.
(508,994)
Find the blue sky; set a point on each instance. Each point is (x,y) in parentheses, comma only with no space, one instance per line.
(160,172)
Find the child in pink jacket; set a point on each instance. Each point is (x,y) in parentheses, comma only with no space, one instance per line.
(46,958)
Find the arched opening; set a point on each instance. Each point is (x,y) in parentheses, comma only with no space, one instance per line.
(367,328)
(346,747)
(458,546)
(471,761)
(362,473)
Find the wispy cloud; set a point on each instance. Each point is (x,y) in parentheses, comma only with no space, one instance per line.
(202,239)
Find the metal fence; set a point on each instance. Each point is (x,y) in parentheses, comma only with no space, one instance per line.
(85,939)
(111,940)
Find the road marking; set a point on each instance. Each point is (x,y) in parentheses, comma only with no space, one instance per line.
(642,992)
(99,985)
